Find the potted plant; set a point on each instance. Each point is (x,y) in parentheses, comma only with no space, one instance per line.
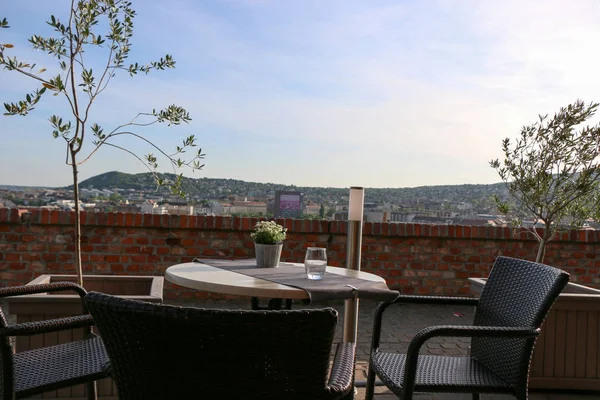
(92,27)
(268,237)
(552,172)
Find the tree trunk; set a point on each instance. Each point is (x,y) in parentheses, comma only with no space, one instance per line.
(78,266)
(541,251)
(542,248)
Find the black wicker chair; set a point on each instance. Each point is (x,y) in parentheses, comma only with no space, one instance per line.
(513,304)
(32,372)
(166,352)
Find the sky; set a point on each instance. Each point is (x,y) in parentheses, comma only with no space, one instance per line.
(332,93)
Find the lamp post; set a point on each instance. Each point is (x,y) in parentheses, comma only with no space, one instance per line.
(353,248)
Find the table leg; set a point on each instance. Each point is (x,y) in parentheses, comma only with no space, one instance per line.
(273,304)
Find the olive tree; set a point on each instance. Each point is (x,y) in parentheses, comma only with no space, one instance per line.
(551,172)
(91,27)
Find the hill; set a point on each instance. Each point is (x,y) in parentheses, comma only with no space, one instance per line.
(449,196)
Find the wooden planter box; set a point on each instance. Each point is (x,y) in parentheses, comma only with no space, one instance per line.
(567,353)
(43,306)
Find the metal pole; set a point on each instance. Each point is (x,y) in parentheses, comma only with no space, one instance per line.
(356,201)
(353,255)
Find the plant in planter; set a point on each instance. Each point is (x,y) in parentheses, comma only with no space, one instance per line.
(268,237)
(552,172)
(88,30)
(93,27)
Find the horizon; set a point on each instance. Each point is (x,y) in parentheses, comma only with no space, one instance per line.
(262,183)
(383,94)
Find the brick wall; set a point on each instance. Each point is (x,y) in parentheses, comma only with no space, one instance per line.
(414,258)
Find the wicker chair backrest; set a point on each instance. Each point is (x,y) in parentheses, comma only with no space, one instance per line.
(167,352)
(6,356)
(517,293)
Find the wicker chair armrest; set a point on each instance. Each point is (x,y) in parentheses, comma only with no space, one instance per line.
(377,320)
(342,373)
(467,301)
(467,331)
(49,325)
(42,288)
(472,331)
(108,370)
(425,334)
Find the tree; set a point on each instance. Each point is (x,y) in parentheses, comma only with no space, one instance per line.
(79,85)
(552,172)
(116,198)
(322,211)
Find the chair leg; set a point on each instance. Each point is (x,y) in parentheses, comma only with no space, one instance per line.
(370,389)
(92,390)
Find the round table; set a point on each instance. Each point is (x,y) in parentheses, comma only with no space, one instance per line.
(213,279)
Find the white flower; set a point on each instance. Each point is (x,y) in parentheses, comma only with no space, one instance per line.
(268,232)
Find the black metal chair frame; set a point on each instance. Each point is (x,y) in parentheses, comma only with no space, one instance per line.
(489,380)
(221,353)
(21,372)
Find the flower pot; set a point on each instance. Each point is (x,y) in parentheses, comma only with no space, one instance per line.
(268,255)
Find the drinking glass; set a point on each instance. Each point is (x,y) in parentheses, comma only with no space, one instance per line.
(315,262)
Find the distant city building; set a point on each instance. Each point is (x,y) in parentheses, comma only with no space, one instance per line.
(127,208)
(250,207)
(340,216)
(375,216)
(4,203)
(174,209)
(215,207)
(288,204)
(312,209)
(401,217)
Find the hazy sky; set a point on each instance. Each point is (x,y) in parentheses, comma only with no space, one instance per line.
(321,93)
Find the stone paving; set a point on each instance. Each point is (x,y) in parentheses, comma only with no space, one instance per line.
(401,322)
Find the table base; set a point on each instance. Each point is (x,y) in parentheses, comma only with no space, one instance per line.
(273,304)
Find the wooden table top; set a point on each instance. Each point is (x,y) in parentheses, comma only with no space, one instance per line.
(212,279)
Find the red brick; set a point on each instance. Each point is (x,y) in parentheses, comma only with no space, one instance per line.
(162,250)
(209,252)
(128,219)
(31,257)
(193,251)
(45,216)
(142,241)
(117,268)
(451,231)
(12,256)
(16,266)
(404,257)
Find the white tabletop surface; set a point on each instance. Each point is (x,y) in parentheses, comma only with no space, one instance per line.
(211,279)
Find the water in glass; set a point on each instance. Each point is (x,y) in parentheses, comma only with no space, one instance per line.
(315,262)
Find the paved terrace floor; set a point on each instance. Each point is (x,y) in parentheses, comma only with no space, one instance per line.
(401,322)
